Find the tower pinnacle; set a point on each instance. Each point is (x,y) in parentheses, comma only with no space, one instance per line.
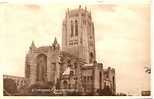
(32,45)
(55,41)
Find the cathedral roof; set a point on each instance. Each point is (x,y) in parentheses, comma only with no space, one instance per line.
(44,48)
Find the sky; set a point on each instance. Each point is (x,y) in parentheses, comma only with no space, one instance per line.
(122,33)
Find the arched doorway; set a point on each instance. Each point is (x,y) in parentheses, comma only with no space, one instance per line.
(65,84)
(41,70)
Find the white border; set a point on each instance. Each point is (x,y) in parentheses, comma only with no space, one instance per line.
(86,2)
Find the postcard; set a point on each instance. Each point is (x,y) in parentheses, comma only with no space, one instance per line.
(75,49)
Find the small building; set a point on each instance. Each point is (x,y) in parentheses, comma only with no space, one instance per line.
(109,79)
(19,81)
(146,93)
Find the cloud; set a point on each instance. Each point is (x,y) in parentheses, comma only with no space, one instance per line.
(32,7)
(106,7)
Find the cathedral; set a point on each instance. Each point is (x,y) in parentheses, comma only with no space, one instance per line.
(73,65)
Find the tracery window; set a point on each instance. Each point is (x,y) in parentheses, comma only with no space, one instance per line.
(41,69)
(72,28)
(28,71)
(76,28)
(65,84)
(91,57)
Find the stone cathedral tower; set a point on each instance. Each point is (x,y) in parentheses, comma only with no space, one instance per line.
(74,68)
(78,36)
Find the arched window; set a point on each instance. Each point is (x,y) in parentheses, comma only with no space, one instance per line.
(65,84)
(91,57)
(28,71)
(41,69)
(76,28)
(113,80)
(100,80)
(72,28)
(71,73)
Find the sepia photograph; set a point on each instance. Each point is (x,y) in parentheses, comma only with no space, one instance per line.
(75,49)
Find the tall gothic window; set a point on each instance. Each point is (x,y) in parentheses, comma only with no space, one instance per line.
(113,80)
(28,71)
(76,28)
(53,70)
(65,84)
(100,80)
(72,28)
(41,70)
(91,56)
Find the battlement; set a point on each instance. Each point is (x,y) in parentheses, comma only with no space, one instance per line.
(78,12)
(110,69)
